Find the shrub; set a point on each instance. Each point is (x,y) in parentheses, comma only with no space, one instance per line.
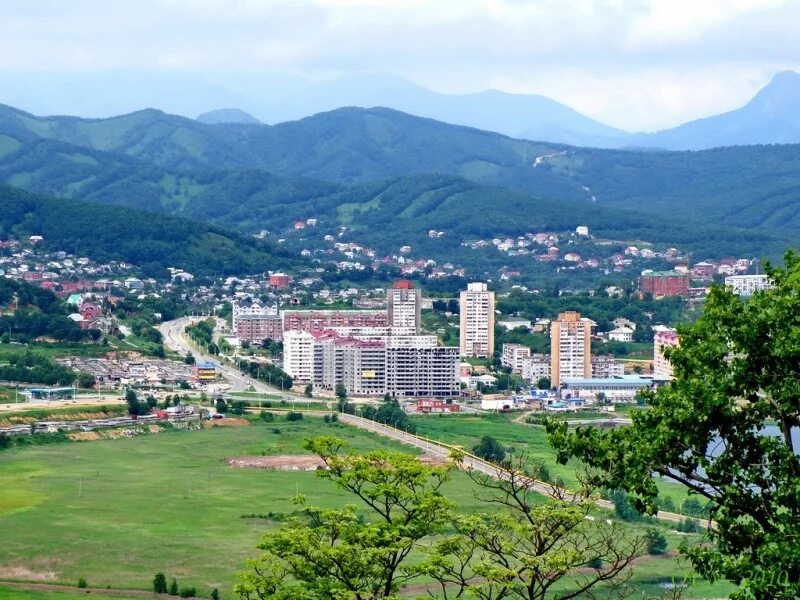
(656,542)
(188,592)
(173,588)
(160,584)
(294,416)
(82,583)
(267,417)
(215,594)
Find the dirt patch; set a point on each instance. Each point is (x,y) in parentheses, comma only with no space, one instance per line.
(16,572)
(296,462)
(84,436)
(232,422)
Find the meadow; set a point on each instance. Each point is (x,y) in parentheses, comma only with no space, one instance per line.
(115,512)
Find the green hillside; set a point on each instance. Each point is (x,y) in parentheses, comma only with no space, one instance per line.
(151,241)
(378,168)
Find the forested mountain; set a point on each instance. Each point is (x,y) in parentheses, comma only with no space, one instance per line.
(153,242)
(354,166)
(227,115)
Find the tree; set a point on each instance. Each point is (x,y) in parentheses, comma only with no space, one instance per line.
(85,380)
(543,383)
(160,584)
(341,391)
(736,371)
(525,550)
(656,542)
(221,406)
(189,360)
(345,553)
(173,588)
(135,408)
(309,391)
(490,449)
(215,594)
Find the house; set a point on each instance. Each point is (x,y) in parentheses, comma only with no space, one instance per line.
(621,334)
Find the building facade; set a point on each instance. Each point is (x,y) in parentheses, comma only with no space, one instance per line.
(570,347)
(257,328)
(514,356)
(535,367)
(605,366)
(661,284)
(404,305)
(667,338)
(313,320)
(298,355)
(477,321)
(747,285)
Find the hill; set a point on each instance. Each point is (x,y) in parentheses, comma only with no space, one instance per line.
(771,117)
(227,115)
(255,177)
(152,242)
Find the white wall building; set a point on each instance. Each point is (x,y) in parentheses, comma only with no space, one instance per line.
(663,339)
(535,367)
(747,285)
(514,355)
(477,321)
(404,304)
(298,355)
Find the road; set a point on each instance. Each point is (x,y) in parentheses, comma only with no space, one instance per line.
(173,338)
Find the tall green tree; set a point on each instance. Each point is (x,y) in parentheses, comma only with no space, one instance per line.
(339,553)
(726,428)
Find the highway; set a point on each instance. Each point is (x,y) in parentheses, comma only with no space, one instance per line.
(173,338)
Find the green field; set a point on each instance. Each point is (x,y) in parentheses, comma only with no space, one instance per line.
(10,594)
(117,511)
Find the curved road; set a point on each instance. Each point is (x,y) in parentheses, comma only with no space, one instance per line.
(173,338)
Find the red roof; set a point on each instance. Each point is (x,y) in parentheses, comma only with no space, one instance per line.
(403,284)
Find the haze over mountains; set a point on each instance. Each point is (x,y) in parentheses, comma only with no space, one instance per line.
(770,117)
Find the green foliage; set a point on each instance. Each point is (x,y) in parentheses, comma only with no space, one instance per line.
(173,588)
(490,449)
(160,584)
(388,412)
(736,373)
(294,416)
(108,233)
(309,391)
(188,592)
(29,367)
(39,313)
(135,406)
(656,542)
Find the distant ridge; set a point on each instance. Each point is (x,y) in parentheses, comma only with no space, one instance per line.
(227,115)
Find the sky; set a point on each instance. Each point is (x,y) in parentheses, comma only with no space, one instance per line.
(634,64)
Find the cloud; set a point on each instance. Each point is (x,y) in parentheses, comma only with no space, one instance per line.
(638,64)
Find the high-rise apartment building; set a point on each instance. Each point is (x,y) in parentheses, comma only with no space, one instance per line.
(477,321)
(404,304)
(747,285)
(663,339)
(298,355)
(570,347)
(514,355)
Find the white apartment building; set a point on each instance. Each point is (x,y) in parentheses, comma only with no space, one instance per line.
(570,347)
(747,285)
(298,355)
(404,305)
(403,366)
(513,356)
(535,367)
(253,310)
(663,339)
(605,367)
(477,321)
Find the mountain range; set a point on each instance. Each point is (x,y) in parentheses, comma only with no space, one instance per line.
(393,176)
(770,117)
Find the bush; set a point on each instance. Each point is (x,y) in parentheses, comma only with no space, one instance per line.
(215,594)
(188,592)
(173,588)
(489,449)
(82,583)
(656,542)
(160,584)
(267,417)
(294,416)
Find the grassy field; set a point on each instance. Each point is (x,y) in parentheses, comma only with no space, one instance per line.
(9,594)
(116,512)
(467,430)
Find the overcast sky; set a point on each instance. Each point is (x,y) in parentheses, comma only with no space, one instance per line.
(635,64)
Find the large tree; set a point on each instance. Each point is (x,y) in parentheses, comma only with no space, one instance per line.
(521,552)
(726,428)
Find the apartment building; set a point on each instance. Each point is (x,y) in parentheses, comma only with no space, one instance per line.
(535,367)
(245,311)
(404,305)
(661,284)
(477,321)
(570,347)
(747,285)
(257,328)
(313,320)
(605,367)
(663,339)
(513,356)
(298,355)
(404,366)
